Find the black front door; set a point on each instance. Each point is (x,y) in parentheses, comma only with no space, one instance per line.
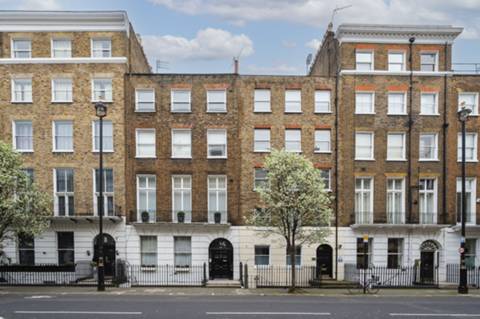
(108,252)
(427,265)
(324,260)
(220,255)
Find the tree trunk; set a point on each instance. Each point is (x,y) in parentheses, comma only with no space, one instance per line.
(292,267)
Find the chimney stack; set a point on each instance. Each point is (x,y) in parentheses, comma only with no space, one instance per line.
(235,65)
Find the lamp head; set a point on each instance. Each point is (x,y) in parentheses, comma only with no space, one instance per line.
(463,112)
(100,109)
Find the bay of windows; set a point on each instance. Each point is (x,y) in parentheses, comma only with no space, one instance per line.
(107,142)
(63,136)
(108,192)
(64,192)
(23,136)
(261,101)
(427,204)
(181,143)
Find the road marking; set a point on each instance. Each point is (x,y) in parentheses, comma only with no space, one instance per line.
(230,313)
(458,315)
(80,312)
(38,297)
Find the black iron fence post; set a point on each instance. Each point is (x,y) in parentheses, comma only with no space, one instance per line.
(204,281)
(246,276)
(241,275)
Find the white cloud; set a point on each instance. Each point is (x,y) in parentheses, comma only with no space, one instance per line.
(289,44)
(31,4)
(208,44)
(317,13)
(313,44)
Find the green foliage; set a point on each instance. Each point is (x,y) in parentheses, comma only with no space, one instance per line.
(297,207)
(23,208)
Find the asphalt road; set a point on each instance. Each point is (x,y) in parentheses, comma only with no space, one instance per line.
(241,307)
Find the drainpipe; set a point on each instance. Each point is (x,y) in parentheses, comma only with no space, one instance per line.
(336,168)
(445,145)
(410,124)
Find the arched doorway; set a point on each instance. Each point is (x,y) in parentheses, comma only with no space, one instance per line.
(428,260)
(220,257)
(108,252)
(324,260)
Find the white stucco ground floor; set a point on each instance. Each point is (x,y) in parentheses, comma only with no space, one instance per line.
(217,250)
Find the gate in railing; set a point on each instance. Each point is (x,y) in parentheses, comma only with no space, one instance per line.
(473,275)
(382,276)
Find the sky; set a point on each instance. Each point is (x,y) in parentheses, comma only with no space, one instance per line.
(268,36)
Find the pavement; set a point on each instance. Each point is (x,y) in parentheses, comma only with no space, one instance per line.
(84,303)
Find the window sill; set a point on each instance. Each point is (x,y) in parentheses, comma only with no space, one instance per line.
(23,151)
(21,102)
(145,111)
(181,158)
(365,159)
(429,160)
(103,151)
(397,114)
(98,101)
(181,112)
(468,161)
(213,112)
(61,102)
(325,112)
(261,151)
(62,151)
(396,160)
(145,157)
(293,112)
(423,114)
(323,152)
(217,157)
(262,112)
(370,113)
(148,268)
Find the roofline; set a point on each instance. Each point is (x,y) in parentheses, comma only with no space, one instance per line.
(41,21)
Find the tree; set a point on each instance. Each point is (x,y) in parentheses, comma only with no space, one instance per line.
(297,206)
(24,209)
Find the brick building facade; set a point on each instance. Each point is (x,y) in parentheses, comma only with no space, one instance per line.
(188,149)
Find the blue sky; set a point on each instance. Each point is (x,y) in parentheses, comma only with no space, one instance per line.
(271,36)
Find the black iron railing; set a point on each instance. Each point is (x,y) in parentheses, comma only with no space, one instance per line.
(167,275)
(473,275)
(32,275)
(280,276)
(401,277)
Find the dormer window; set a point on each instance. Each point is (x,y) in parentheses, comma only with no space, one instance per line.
(101,48)
(21,49)
(364,60)
(428,62)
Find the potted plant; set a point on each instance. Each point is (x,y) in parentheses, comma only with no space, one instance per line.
(217,217)
(181,217)
(145,217)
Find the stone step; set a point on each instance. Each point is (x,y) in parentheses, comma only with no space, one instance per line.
(223,283)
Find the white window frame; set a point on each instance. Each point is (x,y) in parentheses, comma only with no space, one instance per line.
(435,113)
(28,98)
(151,253)
(217,190)
(372,152)
(224,102)
(362,190)
(172,101)
(256,139)
(146,189)
(213,131)
(297,103)
(255,255)
(402,199)
(137,154)
(436,60)
(396,52)
(299,141)
(14,136)
(317,101)
(372,106)
(66,193)
(435,147)
(389,111)
(92,50)
(475,147)
(183,190)
(94,147)
(399,253)
(68,91)
(435,199)
(174,131)
(299,256)
(138,102)
(403,146)
(179,252)
(105,193)
(372,59)
(54,142)
(474,107)
(68,50)
(329,170)
(255,179)
(107,98)
(13,50)
(316,140)
(473,197)
(269,101)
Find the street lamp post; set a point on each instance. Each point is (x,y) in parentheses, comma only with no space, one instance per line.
(463,287)
(101,112)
